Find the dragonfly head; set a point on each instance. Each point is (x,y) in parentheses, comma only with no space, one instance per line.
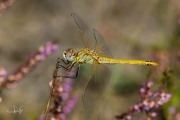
(69,55)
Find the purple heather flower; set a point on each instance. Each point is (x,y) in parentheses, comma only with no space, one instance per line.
(47,50)
(149,101)
(142,90)
(155,94)
(172,110)
(149,84)
(25,68)
(160,102)
(168,96)
(60,89)
(3,74)
(152,103)
(129,117)
(136,107)
(50,47)
(147,108)
(66,87)
(41,117)
(153,114)
(145,102)
(71,103)
(164,98)
(66,110)
(69,81)
(63,117)
(163,94)
(65,96)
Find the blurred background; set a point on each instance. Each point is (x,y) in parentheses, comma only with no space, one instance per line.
(141,29)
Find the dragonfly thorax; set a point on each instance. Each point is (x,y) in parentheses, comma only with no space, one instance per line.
(69,55)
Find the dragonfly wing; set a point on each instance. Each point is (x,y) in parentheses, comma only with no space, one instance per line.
(98,81)
(101,47)
(83,73)
(88,36)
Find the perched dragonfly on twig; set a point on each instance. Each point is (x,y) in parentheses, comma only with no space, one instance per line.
(97,54)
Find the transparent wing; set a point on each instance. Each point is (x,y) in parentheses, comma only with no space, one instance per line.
(73,73)
(96,85)
(101,47)
(93,41)
(72,77)
(87,35)
(83,74)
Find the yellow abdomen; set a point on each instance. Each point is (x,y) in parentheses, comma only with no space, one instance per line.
(106,60)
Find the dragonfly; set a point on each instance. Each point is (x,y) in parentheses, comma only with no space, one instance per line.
(96,54)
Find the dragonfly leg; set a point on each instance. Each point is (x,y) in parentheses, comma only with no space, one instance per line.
(62,64)
(65,65)
(72,77)
(66,68)
(62,60)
